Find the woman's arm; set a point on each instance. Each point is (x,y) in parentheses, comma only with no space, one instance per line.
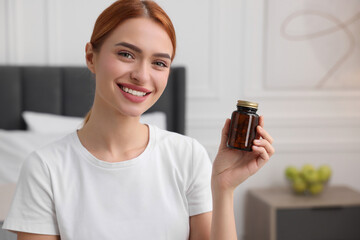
(30,236)
(223,220)
(222,226)
(200,226)
(232,167)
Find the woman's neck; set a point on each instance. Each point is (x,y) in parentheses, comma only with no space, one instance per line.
(112,137)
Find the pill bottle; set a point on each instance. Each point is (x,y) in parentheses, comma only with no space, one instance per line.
(243,124)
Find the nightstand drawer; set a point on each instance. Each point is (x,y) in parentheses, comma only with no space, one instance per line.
(318,223)
(275,213)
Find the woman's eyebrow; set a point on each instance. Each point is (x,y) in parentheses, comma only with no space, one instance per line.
(162,55)
(137,49)
(129,45)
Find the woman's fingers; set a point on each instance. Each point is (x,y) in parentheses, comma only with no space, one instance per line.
(263,155)
(264,134)
(265,144)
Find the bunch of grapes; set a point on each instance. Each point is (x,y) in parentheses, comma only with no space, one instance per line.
(308,179)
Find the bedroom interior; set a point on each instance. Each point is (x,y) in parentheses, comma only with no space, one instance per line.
(298,60)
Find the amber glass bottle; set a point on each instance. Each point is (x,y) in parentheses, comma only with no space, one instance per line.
(243,124)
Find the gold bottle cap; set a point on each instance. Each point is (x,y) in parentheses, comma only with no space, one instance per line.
(242,103)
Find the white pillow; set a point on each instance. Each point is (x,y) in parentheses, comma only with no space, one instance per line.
(51,123)
(15,146)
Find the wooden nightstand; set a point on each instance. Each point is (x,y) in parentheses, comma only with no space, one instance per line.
(278,214)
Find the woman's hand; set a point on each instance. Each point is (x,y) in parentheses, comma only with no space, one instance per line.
(231,166)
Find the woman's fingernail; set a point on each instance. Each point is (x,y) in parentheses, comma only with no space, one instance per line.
(257,141)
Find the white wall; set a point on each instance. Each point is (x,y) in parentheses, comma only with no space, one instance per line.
(223,46)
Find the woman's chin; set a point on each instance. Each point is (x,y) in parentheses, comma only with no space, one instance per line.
(132,113)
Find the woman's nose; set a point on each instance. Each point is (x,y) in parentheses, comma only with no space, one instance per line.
(141,73)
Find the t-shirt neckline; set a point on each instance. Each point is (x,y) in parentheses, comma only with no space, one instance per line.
(115,165)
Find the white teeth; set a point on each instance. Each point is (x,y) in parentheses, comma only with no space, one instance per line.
(133,92)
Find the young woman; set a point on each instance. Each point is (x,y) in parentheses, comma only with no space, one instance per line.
(116,178)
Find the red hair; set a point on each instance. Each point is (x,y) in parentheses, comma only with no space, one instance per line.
(122,10)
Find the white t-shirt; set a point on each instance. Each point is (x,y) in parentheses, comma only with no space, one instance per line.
(64,190)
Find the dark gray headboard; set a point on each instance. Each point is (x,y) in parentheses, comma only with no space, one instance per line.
(69,91)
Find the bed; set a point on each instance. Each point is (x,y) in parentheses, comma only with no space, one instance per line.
(39,104)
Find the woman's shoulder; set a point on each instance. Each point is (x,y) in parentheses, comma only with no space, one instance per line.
(60,142)
(176,140)
(55,148)
(166,135)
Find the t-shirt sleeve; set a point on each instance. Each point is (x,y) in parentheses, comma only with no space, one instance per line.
(199,192)
(32,209)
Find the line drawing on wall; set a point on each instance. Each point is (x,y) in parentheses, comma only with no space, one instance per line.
(312,45)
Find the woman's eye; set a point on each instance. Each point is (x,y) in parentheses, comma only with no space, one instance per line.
(160,64)
(125,54)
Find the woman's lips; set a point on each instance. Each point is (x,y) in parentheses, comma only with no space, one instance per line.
(134,87)
(134,93)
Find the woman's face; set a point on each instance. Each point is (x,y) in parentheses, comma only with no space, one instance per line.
(132,66)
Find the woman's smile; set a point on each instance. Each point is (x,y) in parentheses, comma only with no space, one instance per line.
(134,93)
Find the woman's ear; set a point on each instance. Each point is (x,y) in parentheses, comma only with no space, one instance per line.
(90,57)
